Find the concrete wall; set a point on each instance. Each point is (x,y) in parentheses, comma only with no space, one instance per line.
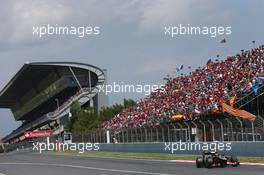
(253,149)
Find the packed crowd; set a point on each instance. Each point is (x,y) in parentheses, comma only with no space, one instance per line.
(202,92)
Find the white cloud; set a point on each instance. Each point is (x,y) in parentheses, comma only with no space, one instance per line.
(29,13)
(148,15)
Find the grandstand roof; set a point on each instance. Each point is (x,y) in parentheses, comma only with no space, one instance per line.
(30,75)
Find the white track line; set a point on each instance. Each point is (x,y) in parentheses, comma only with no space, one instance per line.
(84,167)
(249,163)
(2,174)
(179,161)
(241,163)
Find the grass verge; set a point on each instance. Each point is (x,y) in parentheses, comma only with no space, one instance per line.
(145,156)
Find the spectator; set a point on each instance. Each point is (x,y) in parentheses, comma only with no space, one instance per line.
(198,94)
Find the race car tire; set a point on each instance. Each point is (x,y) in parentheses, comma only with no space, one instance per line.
(234,160)
(223,163)
(209,162)
(199,162)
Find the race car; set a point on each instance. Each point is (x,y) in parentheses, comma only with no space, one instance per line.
(211,159)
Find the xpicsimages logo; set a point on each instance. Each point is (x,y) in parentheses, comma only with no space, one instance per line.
(173,147)
(58,146)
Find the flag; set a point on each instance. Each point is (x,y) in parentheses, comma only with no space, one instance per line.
(181,67)
(232,101)
(209,77)
(177,117)
(223,41)
(255,88)
(178,69)
(261,80)
(208,62)
(238,113)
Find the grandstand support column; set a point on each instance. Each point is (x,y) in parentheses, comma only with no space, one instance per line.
(241,125)
(90,89)
(76,79)
(189,131)
(90,84)
(204,130)
(222,129)
(213,129)
(231,128)
(253,131)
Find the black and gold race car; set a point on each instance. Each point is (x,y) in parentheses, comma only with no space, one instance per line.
(211,159)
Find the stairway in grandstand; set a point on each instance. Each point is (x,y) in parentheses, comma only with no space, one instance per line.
(85,95)
(249,97)
(245,100)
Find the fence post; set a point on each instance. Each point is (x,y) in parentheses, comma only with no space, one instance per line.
(241,125)
(180,131)
(163,137)
(123,137)
(96,137)
(168,134)
(131,135)
(204,130)
(222,129)
(196,130)
(140,137)
(157,134)
(151,135)
(127,135)
(262,126)
(189,133)
(253,131)
(212,129)
(146,134)
(175,134)
(231,125)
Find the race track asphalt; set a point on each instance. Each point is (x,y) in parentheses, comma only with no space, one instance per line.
(36,164)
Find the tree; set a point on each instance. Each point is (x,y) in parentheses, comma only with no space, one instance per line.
(86,119)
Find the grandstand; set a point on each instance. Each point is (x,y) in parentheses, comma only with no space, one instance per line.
(197,99)
(40,95)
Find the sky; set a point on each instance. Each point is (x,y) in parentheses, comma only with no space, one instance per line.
(131,45)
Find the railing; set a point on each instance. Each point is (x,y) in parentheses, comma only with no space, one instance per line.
(247,98)
(182,132)
(225,128)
